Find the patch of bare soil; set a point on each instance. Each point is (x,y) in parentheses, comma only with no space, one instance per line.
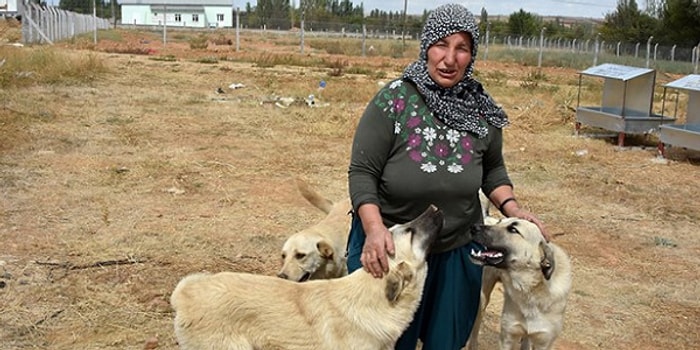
(113,191)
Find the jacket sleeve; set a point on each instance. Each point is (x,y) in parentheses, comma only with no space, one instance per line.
(495,173)
(371,147)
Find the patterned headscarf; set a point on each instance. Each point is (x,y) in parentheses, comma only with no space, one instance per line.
(461,106)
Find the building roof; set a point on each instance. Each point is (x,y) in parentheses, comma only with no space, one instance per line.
(689,82)
(178,2)
(616,71)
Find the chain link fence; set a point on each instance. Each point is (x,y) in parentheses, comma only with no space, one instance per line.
(48,24)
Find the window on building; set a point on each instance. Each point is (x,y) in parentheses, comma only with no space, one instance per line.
(178,17)
(219,17)
(195,17)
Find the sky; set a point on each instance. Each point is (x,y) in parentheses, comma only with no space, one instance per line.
(569,8)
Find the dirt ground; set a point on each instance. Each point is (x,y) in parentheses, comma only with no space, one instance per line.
(110,192)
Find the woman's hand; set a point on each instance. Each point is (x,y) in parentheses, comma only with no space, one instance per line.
(526,215)
(378,243)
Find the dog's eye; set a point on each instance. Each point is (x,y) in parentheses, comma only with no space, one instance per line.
(284,256)
(300,256)
(513,229)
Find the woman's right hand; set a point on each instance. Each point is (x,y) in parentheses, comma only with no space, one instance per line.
(378,243)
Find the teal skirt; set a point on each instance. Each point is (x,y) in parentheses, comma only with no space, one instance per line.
(450,299)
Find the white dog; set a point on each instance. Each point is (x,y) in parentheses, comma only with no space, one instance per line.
(239,311)
(536,278)
(318,252)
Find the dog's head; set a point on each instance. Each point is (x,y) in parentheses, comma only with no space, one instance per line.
(513,244)
(307,256)
(412,240)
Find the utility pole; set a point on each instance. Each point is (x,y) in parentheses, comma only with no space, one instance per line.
(94,20)
(114,15)
(403,31)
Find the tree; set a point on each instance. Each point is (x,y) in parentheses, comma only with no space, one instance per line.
(680,21)
(523,23)
(628,24)
(78,6)
(484,21)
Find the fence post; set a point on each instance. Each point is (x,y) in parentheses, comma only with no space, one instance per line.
(486,51)
(238,29)
(301,49)
(697,58)
(597,48)
(364,40)
(673,53)
(649,49)
(165,24)
(539,56)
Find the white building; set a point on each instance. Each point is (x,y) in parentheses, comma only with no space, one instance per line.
(178,13)
(8,7)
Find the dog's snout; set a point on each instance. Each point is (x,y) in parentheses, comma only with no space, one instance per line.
(476,228)
(282,275)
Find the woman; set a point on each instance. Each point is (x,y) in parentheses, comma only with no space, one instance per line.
(432,137)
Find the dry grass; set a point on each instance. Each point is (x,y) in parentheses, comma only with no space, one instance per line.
(114,190)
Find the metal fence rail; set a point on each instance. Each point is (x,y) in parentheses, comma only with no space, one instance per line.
(47,24)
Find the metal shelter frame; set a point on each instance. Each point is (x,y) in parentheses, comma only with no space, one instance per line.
(626,106)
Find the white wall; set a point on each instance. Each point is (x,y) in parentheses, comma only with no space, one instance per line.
(143,15)
(8,6)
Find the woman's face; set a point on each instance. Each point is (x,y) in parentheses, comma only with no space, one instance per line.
(449,58)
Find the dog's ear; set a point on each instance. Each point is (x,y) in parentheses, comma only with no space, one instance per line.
(547,262)
(396,280)
(325,249)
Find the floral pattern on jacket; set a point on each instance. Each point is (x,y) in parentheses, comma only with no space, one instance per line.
(428,143)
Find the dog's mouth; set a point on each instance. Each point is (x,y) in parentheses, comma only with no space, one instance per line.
(305,277)
(488,256)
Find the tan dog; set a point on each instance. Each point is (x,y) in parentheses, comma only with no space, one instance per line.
(318,252)
(243,311)
(486,209)
(536,278)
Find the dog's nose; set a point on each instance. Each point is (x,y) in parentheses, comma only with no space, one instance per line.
(476,228)
(282,275)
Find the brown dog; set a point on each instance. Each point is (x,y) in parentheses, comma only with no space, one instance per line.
(536,278)
(318,252)
(231,310)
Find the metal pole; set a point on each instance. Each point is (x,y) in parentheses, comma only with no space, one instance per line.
(486,51)
(364,40)
(649,49)
(301,25)
(597,49)
(539,56)
(301,46)
(94,20)
(165,24)
(238,29)
(403,31)
(364,30)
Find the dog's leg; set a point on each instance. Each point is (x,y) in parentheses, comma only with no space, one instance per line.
(525,343)
(538,341)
